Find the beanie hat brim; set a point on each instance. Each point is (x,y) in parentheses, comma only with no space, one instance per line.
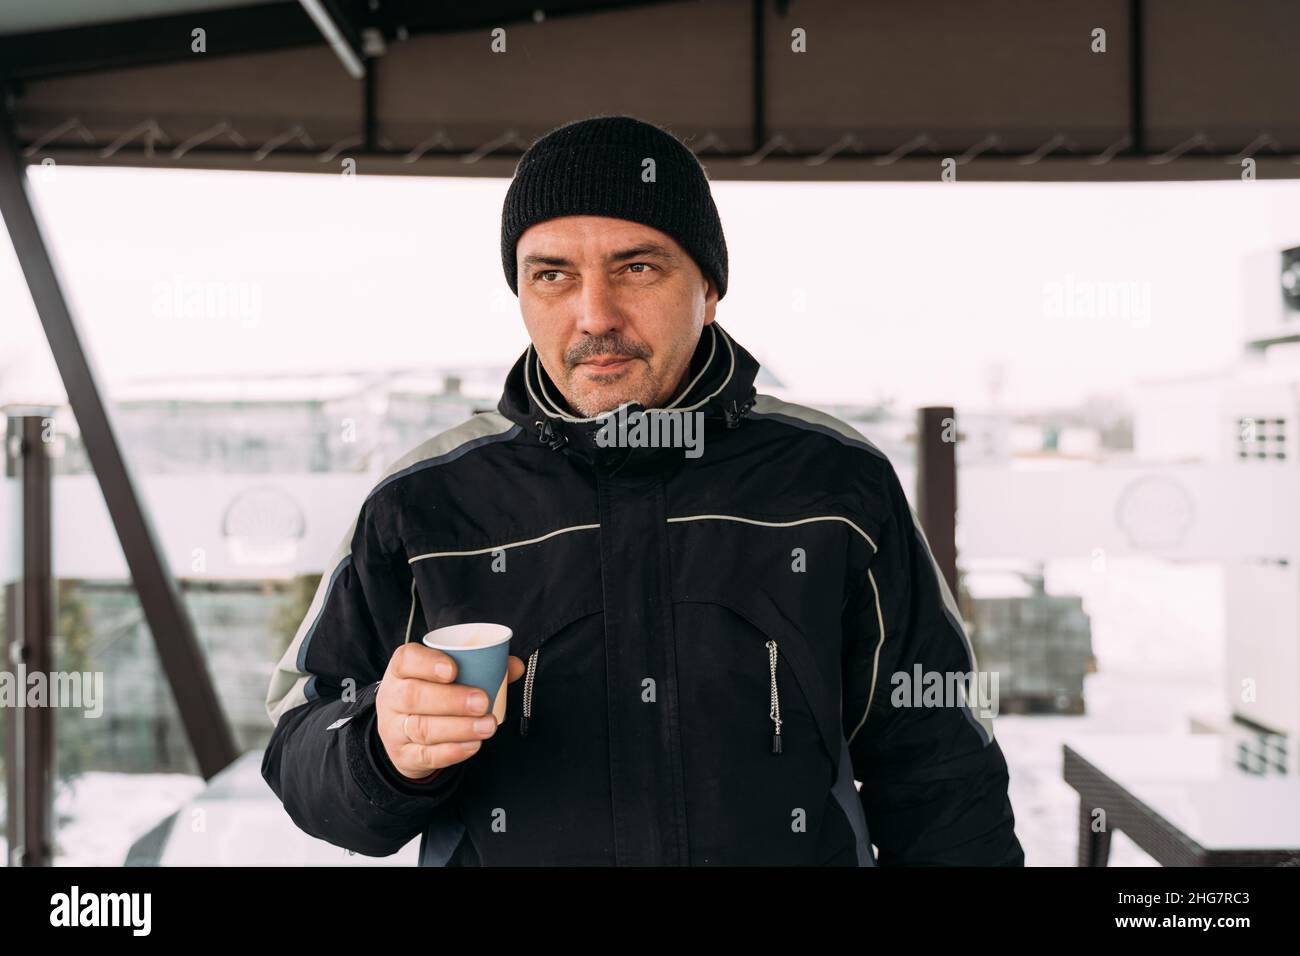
(620,167)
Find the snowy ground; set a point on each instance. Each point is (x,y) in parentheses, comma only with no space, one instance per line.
(103,813)
(1158,638)
(1156,633)
(1046,807)
(99,815)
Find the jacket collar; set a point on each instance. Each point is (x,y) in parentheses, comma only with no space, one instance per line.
(719,385)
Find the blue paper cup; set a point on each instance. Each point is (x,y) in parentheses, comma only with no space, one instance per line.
(481,652)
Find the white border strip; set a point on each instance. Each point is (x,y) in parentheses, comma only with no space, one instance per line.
(411,619)
(500,547)
(875,661)
(778,524)
(880,617)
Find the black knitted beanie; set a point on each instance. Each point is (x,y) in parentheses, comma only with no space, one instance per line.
(597,167)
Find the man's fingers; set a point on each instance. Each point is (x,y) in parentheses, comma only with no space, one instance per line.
(420,760)
(416,661)
(514,668)
(429,729)
(413,696)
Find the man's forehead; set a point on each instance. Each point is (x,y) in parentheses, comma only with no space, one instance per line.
(598,234)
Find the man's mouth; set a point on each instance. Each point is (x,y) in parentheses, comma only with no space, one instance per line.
(606,363)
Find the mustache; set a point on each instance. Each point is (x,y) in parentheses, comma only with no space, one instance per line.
(613,345)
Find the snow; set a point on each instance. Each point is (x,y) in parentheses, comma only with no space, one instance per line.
(1157,635)
(1121,702)
(100,814)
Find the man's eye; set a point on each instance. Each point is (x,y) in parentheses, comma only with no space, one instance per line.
(635,264)
(548,272)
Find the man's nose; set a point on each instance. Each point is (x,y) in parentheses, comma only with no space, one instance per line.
(600,311)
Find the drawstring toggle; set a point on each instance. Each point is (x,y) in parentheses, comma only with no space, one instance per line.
(548,436)
(737,410)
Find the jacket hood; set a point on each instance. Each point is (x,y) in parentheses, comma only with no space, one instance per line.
(719,386)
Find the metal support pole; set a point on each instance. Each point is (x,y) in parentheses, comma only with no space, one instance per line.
(1137,110)
(169,621)
(29,731)
(758,76)
(936,485)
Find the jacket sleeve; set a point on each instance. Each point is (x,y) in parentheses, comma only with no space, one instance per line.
(325,760)
(934,780)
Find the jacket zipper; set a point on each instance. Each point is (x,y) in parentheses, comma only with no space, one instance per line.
(775,712)
(528,692)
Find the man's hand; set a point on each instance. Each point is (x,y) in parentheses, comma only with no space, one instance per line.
(446,721)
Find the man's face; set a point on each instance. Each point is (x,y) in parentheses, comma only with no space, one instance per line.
(614,309)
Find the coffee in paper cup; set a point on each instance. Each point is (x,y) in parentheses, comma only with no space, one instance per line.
(481,652)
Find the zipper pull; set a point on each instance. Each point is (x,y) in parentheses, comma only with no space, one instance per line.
(528,693)
(775,712)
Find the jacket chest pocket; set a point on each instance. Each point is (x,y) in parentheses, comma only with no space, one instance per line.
(529,646)
(748,655)
(539,788)
(759,736)
(536,591)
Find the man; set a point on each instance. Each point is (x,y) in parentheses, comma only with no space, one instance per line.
(711,598)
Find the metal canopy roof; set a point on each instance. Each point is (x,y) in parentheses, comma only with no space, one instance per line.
(60,14)
(1012,90)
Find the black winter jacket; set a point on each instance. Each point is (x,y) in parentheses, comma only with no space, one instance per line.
(710,643)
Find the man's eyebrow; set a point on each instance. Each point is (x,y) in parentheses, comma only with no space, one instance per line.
(557,262)
(644,250)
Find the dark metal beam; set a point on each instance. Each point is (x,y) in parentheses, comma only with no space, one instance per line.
(273,26)
(339,32)
(780,166)
(146,42)
(169,621)
(369,110)
(1137,77)
(29,731)
(758,120)
(936,485)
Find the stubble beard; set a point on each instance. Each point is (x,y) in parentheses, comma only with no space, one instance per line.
(635,384)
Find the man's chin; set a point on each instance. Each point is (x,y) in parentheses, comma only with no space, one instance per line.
(594,406)
(597,400)
(602,408)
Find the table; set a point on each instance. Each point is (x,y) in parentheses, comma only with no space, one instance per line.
(1187,799)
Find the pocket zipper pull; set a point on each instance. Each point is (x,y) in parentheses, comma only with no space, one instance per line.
(528,693)
(775,712)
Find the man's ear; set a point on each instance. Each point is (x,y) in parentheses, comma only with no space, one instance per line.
(710,300)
